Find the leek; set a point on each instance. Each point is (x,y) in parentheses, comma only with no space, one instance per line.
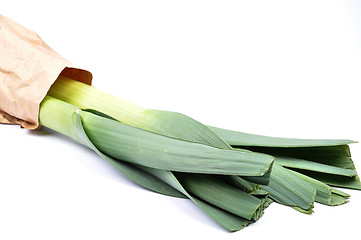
(230,175)
(182,127)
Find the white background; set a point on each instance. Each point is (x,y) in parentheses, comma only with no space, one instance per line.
(278,68)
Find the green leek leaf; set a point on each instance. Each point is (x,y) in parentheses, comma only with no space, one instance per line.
(153,150)
(288,189)
(235,138)
(313,166)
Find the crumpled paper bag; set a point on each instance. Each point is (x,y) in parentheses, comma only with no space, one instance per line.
(28,68)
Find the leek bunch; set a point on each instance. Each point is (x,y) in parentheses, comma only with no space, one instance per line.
(231,176)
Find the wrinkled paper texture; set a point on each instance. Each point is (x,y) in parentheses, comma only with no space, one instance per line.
(28,68)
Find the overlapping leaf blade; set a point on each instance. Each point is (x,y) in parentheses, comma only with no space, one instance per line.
(297,163)
(153,150)
(288,189)
(235,138)
(214,190)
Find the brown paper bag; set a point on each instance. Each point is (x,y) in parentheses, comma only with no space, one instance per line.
(28,68)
